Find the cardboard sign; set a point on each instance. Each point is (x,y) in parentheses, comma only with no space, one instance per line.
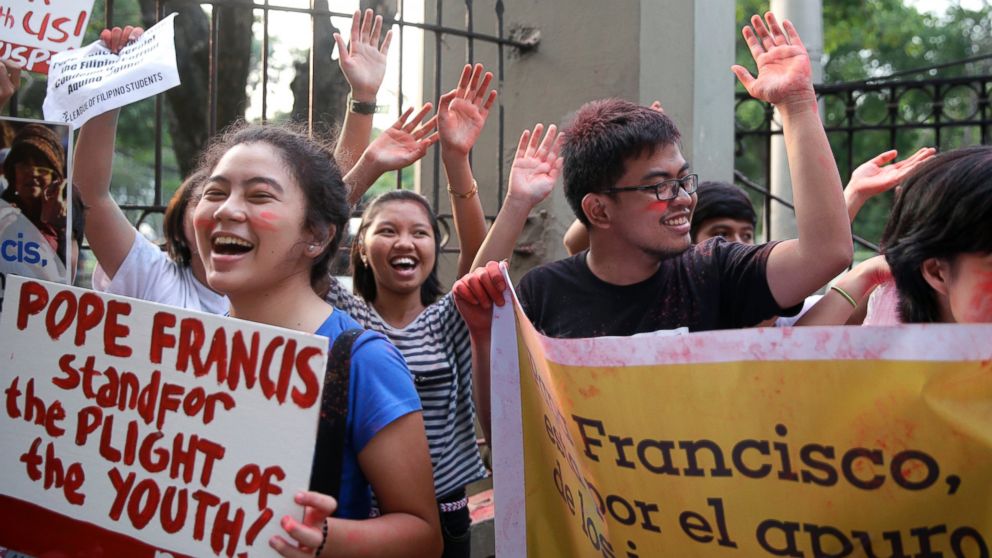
(87,82)
(35,212)
(816,442)
(31,31)
(136,429)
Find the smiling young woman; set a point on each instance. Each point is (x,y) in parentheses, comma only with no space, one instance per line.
(267,227)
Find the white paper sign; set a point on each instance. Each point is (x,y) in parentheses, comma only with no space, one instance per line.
(136,428)
(90,81)
(32,30)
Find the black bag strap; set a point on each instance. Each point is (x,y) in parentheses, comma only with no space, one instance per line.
(329,453)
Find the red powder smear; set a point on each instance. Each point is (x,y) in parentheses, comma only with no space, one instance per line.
(589,392)
(203,222)
(266,220)
(658,206)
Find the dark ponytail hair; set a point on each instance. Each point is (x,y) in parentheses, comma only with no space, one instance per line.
(362,274)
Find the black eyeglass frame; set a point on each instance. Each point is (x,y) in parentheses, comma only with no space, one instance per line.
(674,185)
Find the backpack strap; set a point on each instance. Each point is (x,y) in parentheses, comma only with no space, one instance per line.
(329,452)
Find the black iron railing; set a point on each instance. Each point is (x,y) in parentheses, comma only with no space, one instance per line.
(867,117)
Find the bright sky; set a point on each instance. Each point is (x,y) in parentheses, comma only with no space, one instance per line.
(290,32)
(939,7)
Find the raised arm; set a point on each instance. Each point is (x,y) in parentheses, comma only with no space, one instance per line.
(847,294)
(461,116)
(876,176)
(363,63)
(10,81)
(475,294)
(398,146)
(798,267)
(108,231)
(535,170)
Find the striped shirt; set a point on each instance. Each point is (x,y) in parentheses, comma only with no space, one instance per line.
(438,352)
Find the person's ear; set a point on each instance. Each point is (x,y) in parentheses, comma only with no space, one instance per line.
(598,209)
(936,272)
(316,246)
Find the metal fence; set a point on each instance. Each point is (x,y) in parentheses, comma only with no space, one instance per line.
(865,118)
(319,12)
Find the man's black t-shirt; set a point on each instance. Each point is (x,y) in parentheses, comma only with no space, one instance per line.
(712,285)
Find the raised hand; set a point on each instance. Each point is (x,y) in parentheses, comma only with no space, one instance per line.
(475,294)
(536,165)
(784,71)
(656,105)
(310,535)
(115,39)
(363,60)
(462,111)
(405,142)
(877,176)
(10,80)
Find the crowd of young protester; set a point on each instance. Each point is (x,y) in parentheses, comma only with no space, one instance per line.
(251,234)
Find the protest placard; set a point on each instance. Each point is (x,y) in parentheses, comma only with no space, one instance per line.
(31,31)
(35,211)
(815,442)
(135,429)
(89,81)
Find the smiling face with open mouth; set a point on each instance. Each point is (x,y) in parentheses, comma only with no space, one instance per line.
(249,222)
(399,246)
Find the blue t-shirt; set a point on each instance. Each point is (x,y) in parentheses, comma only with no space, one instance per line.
(379,391)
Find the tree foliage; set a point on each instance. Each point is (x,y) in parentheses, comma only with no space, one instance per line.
(869,40)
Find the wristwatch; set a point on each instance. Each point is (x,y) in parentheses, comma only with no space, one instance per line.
(360,107)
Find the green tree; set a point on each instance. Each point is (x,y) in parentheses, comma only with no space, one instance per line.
(870,40)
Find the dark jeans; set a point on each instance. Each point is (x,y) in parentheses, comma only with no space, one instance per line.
(456,528)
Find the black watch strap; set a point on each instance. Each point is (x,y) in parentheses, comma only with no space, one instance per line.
(361,107)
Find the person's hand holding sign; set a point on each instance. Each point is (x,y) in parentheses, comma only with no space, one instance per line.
(115,39)
(10,80)
(309,534)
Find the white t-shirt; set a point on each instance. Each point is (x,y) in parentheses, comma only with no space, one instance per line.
(147,273)
(789,321)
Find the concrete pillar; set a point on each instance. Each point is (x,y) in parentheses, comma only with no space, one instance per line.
(676,51)
(686,50)
(807,16)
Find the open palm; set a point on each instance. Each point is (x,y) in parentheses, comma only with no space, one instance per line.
(462,111)
(784,70)
(405,142)
(876,176)
(461,124)
(536,166)
(363,60)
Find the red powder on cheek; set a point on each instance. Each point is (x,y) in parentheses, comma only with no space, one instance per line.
(658,206)
(266,220)
(203,222)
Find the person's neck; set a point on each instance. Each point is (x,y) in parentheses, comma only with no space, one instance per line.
(615,261)
(30,208)
(398,309)
(200,272)
(291,304)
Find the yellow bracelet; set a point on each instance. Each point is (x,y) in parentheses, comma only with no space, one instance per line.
(845,294)
(466,195)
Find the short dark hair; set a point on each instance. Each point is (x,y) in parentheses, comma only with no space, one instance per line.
(175,217)
(944,209)
(37,141)
(601,137)
(720,200)
(310,161)
(362,274)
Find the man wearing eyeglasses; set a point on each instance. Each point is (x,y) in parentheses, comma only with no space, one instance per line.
(627,180)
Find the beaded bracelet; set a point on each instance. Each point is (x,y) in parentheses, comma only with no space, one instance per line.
(322,542)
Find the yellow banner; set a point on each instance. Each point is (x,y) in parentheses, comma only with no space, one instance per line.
(827,442)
